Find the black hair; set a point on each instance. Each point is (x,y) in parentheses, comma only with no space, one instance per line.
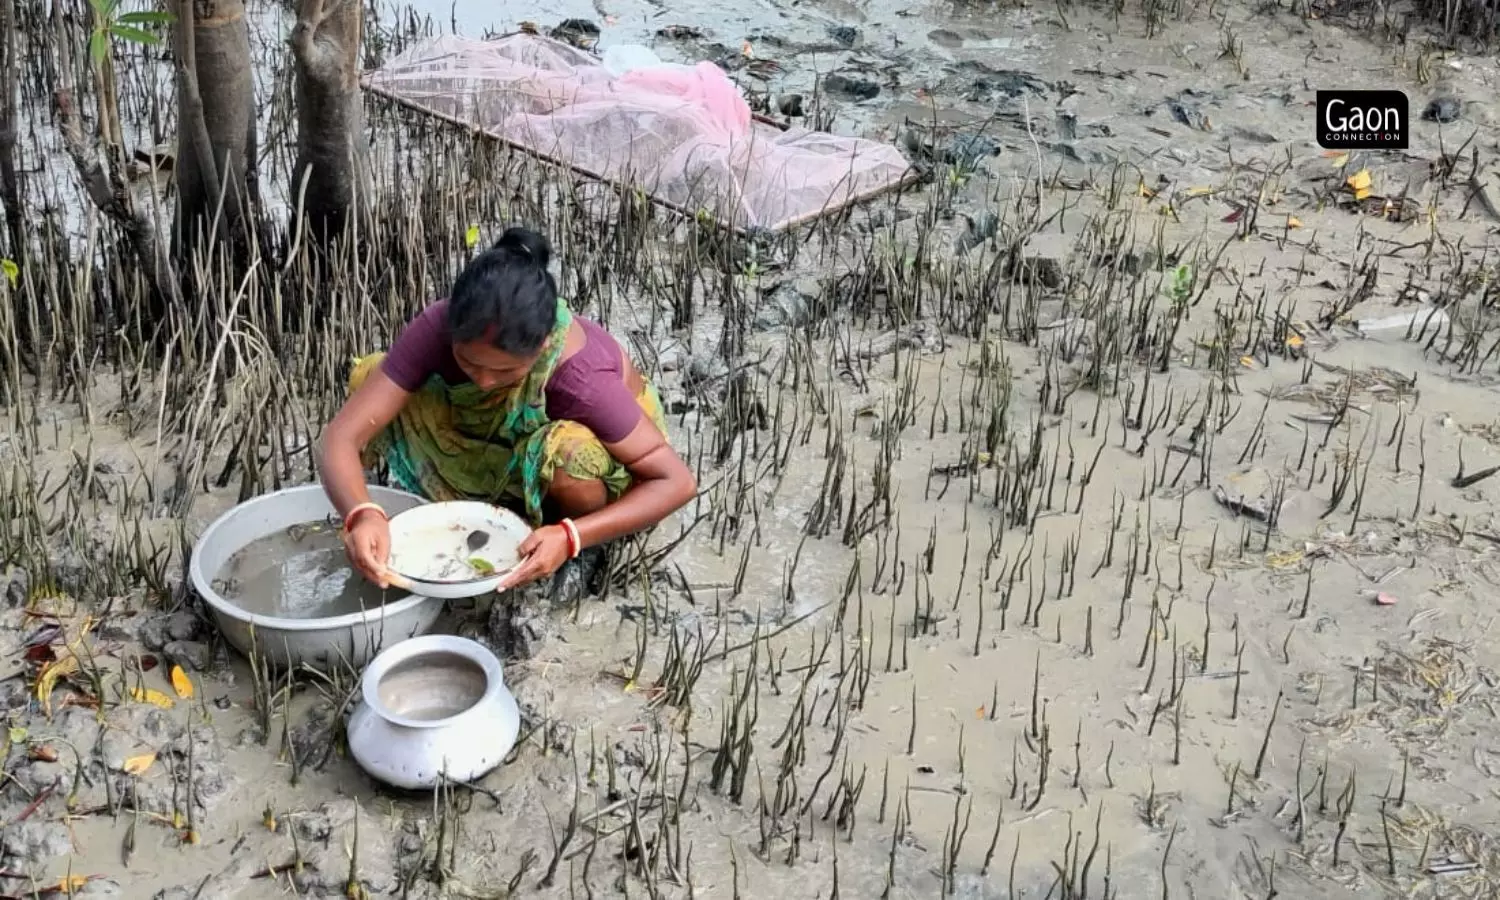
(506,295)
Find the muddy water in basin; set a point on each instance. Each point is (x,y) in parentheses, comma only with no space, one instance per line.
(299,573)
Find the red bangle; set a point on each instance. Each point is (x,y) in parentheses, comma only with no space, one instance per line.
(575,540)
(358,508)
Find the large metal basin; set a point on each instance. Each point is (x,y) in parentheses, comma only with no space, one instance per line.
(353,637)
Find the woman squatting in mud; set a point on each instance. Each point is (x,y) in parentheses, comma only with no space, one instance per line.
(500,393)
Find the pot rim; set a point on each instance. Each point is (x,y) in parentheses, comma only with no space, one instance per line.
(400,652)
(203,581)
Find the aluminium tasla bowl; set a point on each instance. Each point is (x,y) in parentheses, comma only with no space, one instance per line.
(351,638)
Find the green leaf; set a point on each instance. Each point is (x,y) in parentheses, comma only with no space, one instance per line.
(146,18)
(11,270)
(125,32)
(481,565)
(471,236)
(16,735)
(99,46)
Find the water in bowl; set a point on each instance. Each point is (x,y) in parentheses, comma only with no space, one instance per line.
(299,573)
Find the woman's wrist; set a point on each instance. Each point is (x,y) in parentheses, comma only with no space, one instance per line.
(574,536)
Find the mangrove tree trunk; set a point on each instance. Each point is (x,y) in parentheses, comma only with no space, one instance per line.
(331,175)
(216,128)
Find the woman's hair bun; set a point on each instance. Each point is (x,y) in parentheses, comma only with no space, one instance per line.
(527,243)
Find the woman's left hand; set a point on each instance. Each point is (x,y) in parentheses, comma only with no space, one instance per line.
(542,553)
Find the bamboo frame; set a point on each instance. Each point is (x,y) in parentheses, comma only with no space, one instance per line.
(910,176)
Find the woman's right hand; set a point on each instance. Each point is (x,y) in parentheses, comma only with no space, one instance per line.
(368,543)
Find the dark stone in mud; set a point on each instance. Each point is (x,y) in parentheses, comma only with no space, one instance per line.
(579,32)
(158,631)
(790,105)
(1255,135)
(1081,152)
(1185,109)
(1042,259)
(847,35)
(33,842)
(1443,110)
(976,231)
(966,149)
(791,304)
(993,83)
(191,655)
(17,587)
(849,87)
(38,775)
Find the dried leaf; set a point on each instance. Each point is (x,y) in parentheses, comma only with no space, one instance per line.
(137,765)
(1199,191)
(153,697)
(42,753)
(68,884)
(1293,222)
(46,680)
(181,683)
(148,662)
(1235,215)
(1359,181)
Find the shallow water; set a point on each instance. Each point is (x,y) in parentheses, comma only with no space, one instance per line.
(300,573)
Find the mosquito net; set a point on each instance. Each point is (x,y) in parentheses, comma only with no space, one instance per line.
(682,134)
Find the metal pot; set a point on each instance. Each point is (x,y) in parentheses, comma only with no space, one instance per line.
(433,707)
(353,637)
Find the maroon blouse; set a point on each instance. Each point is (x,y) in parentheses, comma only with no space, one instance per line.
(587,388)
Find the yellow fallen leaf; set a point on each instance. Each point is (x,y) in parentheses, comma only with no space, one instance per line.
(629,685)
(137,765)
(1337,158)
(471,236)
(1199,191)
(68,884)
(1247,362)
(1295,342)
(1293,222)
(46,682)
(979,713)
(153,697)
(1145,191)
(1359,183)
(181,683)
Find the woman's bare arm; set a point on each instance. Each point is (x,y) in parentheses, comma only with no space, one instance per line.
(662,484)
(364,415)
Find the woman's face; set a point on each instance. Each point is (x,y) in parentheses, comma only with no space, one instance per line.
(489,368)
